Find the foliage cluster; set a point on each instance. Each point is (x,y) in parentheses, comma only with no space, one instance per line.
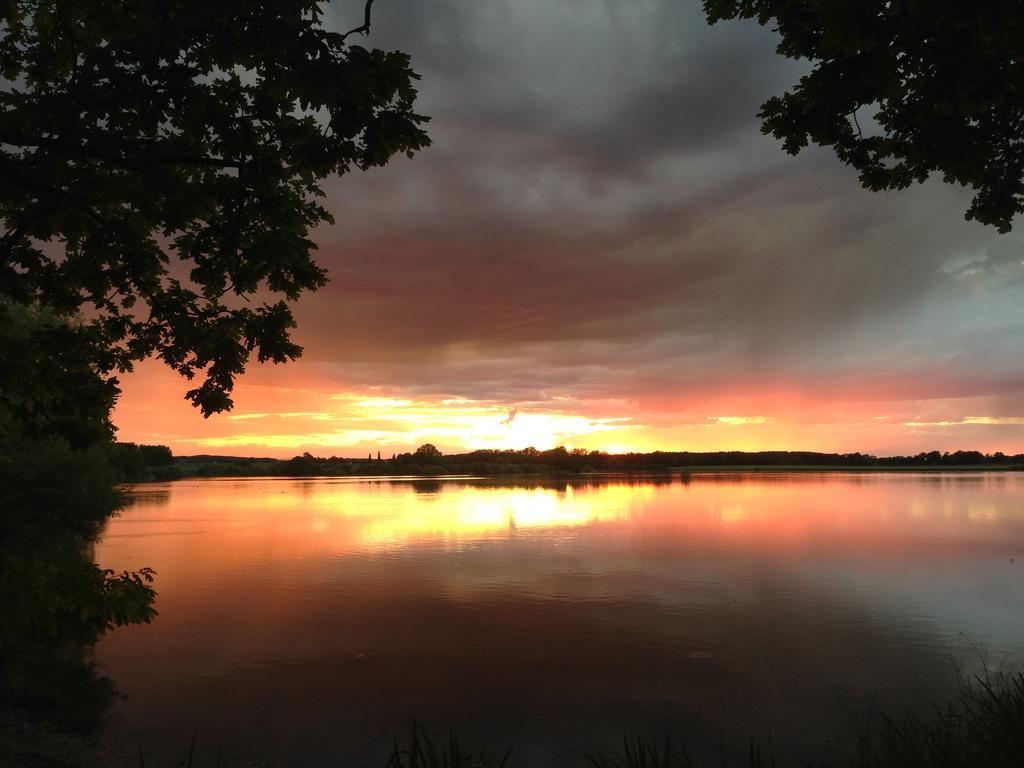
(49,488)
(55,603)
(160,170)
(49,385)
(82,600)
(143,463)
(983,725)
(57,488)
(901,90)
(426,751)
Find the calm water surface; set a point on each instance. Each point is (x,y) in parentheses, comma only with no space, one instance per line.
(303,621)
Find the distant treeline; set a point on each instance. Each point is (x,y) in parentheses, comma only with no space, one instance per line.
(155,462)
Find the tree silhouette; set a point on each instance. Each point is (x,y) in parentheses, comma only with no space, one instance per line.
(49,387)
(901,90)
(160,169)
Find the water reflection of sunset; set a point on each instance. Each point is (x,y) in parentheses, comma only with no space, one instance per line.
(473,513)
(373,514)
(306,598)
(781,511)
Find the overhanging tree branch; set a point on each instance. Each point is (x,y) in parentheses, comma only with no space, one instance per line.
(161,166)
(943,81)
(363,28)
(148,150)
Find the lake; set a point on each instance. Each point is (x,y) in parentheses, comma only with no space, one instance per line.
(306,621)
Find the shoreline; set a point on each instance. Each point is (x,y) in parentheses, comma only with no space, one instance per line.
(673,472)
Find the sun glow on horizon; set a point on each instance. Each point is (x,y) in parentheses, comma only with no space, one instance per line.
(282,418)
(455,422)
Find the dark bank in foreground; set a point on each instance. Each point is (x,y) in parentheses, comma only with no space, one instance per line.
(982,727)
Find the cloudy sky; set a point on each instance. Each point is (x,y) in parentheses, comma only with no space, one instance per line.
(601,250)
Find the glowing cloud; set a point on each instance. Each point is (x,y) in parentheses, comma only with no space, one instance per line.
(456,423)
(997,421)
(740,420)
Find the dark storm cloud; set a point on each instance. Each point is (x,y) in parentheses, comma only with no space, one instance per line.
(599,89)
(599,213)
(703,101)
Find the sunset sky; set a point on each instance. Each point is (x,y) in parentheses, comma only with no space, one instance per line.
(601,250)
